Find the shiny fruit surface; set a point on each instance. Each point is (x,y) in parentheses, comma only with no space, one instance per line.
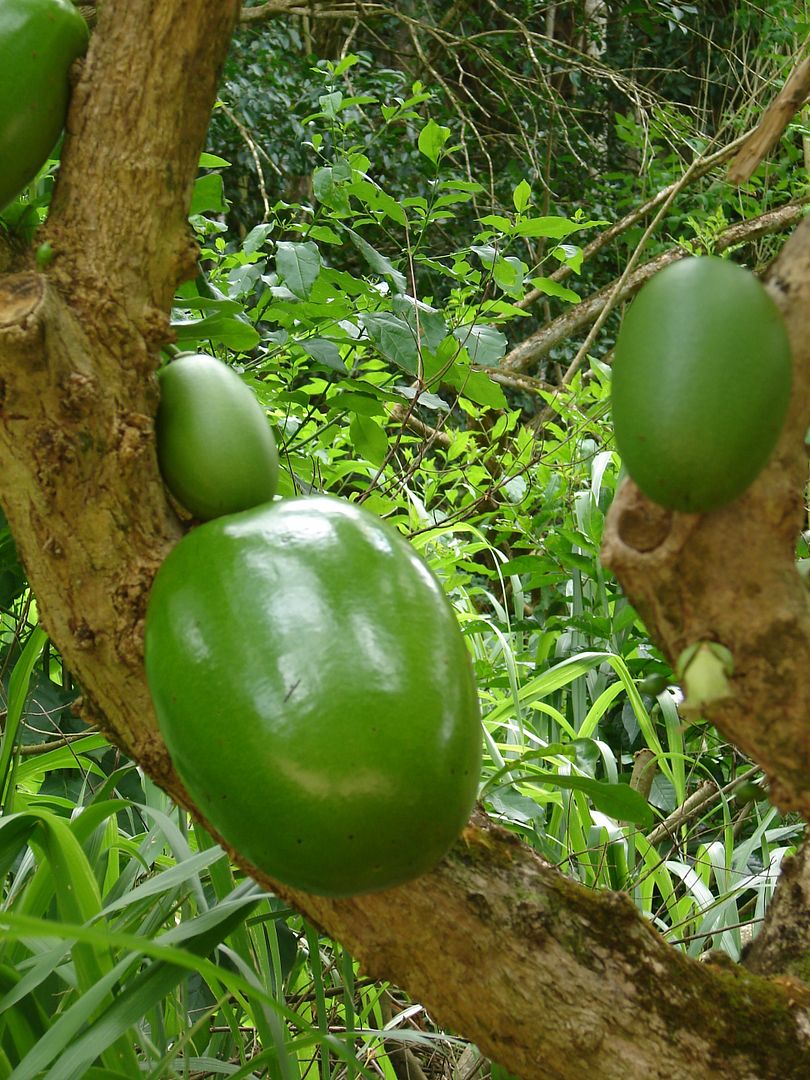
(701,384)
(315,694)
(39,40)
(216,450)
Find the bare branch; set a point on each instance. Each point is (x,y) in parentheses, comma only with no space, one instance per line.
(275,9)
(775,119)
(577,318)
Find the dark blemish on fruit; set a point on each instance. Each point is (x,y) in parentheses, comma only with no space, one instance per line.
(292,690)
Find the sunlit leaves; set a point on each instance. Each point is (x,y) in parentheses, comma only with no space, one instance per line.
(432,139)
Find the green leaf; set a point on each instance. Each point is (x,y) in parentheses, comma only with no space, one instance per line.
(497,221)
(330,104)
(352,401)
(255,239)
(569,254)
(325,352)
(393,337)
(432,327)
(213,161)
(344,65)
(524,564)
(478,387)
(486,253)
(553,288)
(378,262)
(424,399)
(17,693)
(509,275)
(522,196)
(76,1050)
(618,801)
(369,439)
(298,265)
(229,330)
(554,227)
(209,195)
(432,138)
(328,189)
(485,344)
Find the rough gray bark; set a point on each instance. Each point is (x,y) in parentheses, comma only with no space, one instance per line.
(545,976)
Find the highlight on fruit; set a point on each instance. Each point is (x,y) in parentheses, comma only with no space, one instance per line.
(701,384)
(39,40)
(316,694)
(216,449)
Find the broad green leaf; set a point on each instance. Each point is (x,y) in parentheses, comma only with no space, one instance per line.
(553,227)
(486,253)
(298,266)
(424,399)
(485,344)
(353,401)
(369,439)
(478,387)
(208,196)
(325,352)
(393,337)
(344,65)
(553,288)
(372,196)
(569,254)
(255,239)
(524,564)
(509,274)
(325,235)
(229,330)
(328,189)
(378,262)
(431,324)
(330,103)
(432,138)
(497,221)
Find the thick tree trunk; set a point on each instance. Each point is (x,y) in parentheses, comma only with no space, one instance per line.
(545,976)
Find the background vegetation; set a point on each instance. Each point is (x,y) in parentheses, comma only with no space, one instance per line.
(391,204)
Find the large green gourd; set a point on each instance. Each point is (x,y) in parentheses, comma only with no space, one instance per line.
(315,694)
(701,384)
(39,40)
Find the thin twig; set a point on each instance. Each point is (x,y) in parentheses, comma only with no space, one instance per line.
(254,153)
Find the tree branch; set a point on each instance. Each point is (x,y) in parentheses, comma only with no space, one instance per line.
(278,8)
(575,319)
(759,143)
